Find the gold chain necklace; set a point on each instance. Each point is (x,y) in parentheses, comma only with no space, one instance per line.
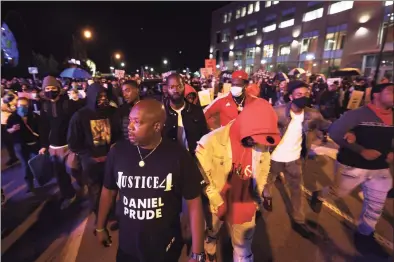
(142,162)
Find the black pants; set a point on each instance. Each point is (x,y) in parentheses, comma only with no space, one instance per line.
(93,175)
(7,140)
(171,256)
(59,159)
(24,153)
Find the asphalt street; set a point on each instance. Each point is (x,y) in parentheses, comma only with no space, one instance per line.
(34,229)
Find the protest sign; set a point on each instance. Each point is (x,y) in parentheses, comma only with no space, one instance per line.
(211,63)
(355,99)
(119,73)
(204,97)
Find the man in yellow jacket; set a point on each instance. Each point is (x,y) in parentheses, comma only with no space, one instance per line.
(235,162)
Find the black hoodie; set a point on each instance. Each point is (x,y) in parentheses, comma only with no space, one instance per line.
(54,120)
(91,131)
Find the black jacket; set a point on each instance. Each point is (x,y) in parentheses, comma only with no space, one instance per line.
(91,131)
(54,120)
(24,135)
(194,123)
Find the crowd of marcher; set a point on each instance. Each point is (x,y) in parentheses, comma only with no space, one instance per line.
(169,171)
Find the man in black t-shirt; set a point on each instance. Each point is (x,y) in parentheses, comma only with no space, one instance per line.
(152,176)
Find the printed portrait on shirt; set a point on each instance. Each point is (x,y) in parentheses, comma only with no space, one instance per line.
(101,131)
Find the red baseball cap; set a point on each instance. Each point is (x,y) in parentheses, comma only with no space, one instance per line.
(259,120)
(240,74)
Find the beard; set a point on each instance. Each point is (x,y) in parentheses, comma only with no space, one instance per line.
(177,99)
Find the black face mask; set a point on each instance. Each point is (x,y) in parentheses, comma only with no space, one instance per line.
(103,105)
(51,94)
(301,102)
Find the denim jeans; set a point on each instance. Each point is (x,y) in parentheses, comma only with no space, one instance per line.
(374,183)
(293,175)
(241,238)
(24,153)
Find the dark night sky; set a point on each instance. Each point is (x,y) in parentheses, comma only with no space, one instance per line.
(168,27)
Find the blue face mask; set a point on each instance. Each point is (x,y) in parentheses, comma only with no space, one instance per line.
(22,111)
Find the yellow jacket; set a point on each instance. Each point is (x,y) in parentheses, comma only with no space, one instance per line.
(215,160)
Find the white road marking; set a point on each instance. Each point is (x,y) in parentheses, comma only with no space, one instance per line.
(380,239)
(16,191)
(70,252)
(8,185)
(65,248)
(7,242)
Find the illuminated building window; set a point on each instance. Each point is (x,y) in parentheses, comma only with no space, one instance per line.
(225,37)
(286,23)
(268,50)
(252,30)
(312,15)
(250,52)
(309,45)
(269,3)
(387,3)
(269,28)
(257,6)
(389,27)
(284,50)
(335,41)
(340,7)
(250,9)
(225,18)
(239,33)
(238,55)
(237,13)
(229,17)
(243,11)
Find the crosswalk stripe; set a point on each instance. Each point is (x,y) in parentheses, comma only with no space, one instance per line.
(7,242)
(380,239)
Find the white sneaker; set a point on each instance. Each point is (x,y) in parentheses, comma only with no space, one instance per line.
(67,202)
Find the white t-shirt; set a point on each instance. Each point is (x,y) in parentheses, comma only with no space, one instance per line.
(289,148)
(181,130)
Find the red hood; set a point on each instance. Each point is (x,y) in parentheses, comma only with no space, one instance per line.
(259,120)
(188,90)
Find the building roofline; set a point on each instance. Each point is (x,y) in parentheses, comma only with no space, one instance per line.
(224,6)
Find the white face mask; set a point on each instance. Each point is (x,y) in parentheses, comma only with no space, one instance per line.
(236,91)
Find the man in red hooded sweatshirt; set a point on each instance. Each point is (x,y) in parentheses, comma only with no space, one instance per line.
(235,162)
(228,107)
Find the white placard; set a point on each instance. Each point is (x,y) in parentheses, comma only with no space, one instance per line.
(33,70)
(330,81)
(119,73)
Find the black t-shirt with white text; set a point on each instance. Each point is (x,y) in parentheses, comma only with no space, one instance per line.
(151,196)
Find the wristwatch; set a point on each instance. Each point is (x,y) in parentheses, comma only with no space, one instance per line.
(198,257)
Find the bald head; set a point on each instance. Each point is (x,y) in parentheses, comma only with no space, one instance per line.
(147,119)
(151,110)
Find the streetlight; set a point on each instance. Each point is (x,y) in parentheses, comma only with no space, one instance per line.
(137,70)
(122,64)
(117,56)
(184,71)
(151,69)
(146,68)
(111,67)
(87,34)
(165,61)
